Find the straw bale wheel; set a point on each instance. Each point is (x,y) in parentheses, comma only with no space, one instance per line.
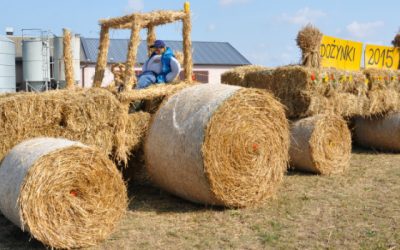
(218,144)
(320,144)
(67,195)
(378,132)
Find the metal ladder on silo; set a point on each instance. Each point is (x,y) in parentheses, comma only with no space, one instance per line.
(45,58)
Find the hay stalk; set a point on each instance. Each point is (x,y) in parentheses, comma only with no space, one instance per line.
(67,52)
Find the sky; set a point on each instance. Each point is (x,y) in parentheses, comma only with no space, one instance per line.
(263,31)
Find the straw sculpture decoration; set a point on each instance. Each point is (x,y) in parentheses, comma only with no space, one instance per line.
(221,145)
(320,144)
(309,41)
(135,22)
(65,194)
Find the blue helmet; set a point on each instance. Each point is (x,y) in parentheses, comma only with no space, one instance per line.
(158,44)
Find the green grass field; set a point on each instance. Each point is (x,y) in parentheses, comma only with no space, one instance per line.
(357,210)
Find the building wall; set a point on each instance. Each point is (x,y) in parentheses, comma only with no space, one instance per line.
(214,74)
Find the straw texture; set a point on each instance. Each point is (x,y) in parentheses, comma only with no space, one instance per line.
(65,194)
(236,76)
(67,53)
(309,91)
(101,64)
(93,117)
(320,144)
(309,41)
(220,145)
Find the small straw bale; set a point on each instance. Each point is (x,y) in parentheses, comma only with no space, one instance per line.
(309,41)
(308,91)
(382,78)
(67,195)
(320,144)
(94,117)
(219,144)
(381,102)
(261,79)
(151,93)
(379,132)
(237,74)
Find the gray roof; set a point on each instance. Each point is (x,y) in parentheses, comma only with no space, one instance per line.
(204,53)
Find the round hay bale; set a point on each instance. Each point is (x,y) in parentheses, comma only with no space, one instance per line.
(320,144)
(219,144)
(65,194)
(378,132)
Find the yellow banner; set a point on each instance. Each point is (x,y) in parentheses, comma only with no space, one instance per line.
(341,54)
(382,57)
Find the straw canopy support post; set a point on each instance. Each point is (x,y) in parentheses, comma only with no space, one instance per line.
(67,52)
(151,38)
(102,55)
(130,77)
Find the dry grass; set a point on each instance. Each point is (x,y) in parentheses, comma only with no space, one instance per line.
(311,212)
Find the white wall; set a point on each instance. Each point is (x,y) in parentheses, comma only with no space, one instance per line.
(214,74)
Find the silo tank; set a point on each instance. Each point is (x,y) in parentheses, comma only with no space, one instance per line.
(7,65)
(59,69)
(36,60)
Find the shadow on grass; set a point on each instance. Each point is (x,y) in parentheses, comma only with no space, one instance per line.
(12,237)
(145,197)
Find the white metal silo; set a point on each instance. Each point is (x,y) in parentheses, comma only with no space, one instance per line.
(59,69)
(36,63)
(7,65)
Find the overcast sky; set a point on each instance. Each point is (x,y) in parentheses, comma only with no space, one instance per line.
(263,31)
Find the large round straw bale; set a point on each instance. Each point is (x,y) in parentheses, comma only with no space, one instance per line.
(320,144)
(219,145)
(378,132)
(65,194)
